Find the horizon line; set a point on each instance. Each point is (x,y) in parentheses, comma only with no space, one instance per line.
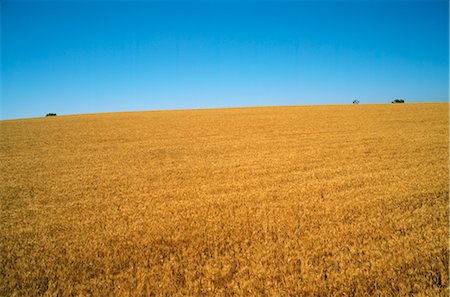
(215,108)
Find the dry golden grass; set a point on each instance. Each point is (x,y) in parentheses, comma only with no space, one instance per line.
(275,201)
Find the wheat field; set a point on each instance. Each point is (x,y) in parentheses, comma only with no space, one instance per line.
(344,200)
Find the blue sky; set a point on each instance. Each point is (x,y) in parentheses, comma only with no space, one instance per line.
(74,57)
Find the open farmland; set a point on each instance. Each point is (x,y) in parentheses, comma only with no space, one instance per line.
(274,201)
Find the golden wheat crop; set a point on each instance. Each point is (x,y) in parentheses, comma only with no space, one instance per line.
(274,201)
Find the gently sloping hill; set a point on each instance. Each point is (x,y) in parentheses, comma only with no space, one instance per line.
(317,200)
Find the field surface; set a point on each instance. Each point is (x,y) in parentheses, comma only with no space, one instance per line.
(273,201)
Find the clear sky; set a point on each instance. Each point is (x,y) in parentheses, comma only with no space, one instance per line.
(73,57)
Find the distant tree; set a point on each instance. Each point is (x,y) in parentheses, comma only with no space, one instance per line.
(398,101)
(50,114)
(356,101)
